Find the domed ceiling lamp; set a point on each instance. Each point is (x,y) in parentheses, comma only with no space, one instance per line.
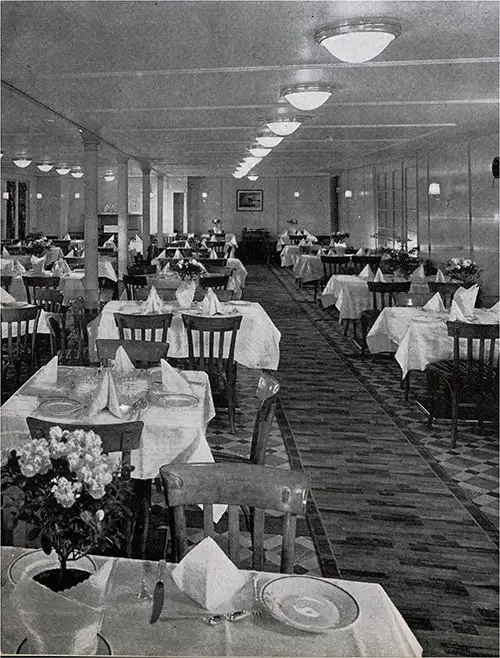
(63,170)
(268,139)
(307,96)
(45,166)
(358,40)
(259,151)
(109,176)
(284,125)
(22,162)
(77,172)
(252,177)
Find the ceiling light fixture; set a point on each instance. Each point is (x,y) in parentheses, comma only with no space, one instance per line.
(357,40)
(63,170)
(283,126)
(77,173)
(39,195)
(259,151)
(109,177)
(348,194)
(253,177)
(22,162)
(307,96)
(45,166)
(268,139)
(434,189)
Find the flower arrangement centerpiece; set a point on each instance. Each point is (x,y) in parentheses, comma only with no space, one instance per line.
(37,244)
(187,268)
(71,496)
(400,260)
(462,270)
(340,236)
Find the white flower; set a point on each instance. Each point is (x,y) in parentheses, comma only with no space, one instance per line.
(99,515)
(64,491)
(467,262)
(56,433)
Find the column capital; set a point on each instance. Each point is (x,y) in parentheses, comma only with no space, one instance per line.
(145,167)
(89,139)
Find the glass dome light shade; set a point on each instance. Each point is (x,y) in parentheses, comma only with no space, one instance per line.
(357,41)
(77,173)
(62,171)
(259,151)
(109,177)
(268,140)
(253,177)
(283,127)
(45,166)
(22,162)
(434,189)
(307,97)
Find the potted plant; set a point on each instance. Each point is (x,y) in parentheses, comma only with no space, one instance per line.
(189,269)
(462,270)
(37,244)
(399,261)
(338,241)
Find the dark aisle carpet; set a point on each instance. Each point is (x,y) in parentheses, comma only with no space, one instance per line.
(384,509)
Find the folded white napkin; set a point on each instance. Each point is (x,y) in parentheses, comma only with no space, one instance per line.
(106,397)
(162,255)
(122,365)
(48,374)
(303,243)
(153,303)
(213,239)
(82,255)
(284,234)
(456,313)
(360,252)
(366,273)
(61,267)
(440,278)
(110,243)
(331,252)
(187,245)
(466,299)
(37,264)
(67,237)
(378,275)
(495,308)
(63,623)
(312,238)
(172,380)
(213,253)
(210,304)
(435,304)
(5,298)
(178,255)
(419,273)
(207,575)
(167,269)
(70,254)
(18,268)
(5,252)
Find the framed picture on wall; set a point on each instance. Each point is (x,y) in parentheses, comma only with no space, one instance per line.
(249,200)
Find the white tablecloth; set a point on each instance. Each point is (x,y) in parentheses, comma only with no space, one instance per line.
(257,342)
(418,337)
(7,261)
(308,268)
(379,630)
(289,255)
(169,433)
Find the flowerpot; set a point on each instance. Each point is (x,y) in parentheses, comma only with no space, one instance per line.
(340,248)
(58,581)
(185,293)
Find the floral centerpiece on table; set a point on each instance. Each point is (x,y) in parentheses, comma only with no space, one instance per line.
(340,236)
(400,260)
(187,268)
(68,491)
(462,270)
(37,244)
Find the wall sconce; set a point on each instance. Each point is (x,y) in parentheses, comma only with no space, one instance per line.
(434,189)
(39,195)
(348,194)
(296,195)
(204,196)
(5,196)
(109,176)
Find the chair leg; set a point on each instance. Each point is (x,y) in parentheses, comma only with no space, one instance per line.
(454,418)
(406,383)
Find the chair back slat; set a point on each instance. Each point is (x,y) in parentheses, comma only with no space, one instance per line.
(480,343)
(334,265)
(143,354)
(234,533)
(134,327)
(258,525)
(180,532)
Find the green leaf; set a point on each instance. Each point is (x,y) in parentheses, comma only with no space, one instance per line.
(46,545)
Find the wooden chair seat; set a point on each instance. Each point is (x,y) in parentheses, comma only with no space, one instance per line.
(143,354)
(247,485)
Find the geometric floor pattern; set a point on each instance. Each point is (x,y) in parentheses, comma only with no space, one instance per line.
(390,502)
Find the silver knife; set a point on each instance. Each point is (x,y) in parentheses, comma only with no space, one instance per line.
(159,592)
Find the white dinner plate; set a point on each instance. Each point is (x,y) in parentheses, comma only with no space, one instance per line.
(59,407)
(309,604)
(175,400)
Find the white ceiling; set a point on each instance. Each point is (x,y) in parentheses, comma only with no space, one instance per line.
(185,85)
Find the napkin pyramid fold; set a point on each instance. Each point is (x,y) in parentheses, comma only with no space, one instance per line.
(61,267)
(303,243)
(162,255)
(379,277)
(48,374)
(213,254)
(5,252)
(360,252)
(177,255)
(106,397)
(67,237)
(153,303)
(187,245)
(18,268)
(456,313)
(418,274)
(172,380)
(465,298)
(435,304)
(210,304)
(122,365)
(5,297)
(208,576)
(213,239)
(366,273)
(495,308)
(37,264)
(440,278)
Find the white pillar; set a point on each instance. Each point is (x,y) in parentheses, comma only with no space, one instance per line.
(64,192)
(146,207)
(159,225)
(90,148)
(122,218)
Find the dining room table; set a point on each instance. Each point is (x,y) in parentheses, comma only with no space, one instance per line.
(308,268)
(289,255)
(416,336)
(257,341)
(369,625)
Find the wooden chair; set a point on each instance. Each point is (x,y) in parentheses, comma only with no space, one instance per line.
(446,289)
(122,437)
(75,263)
(358,263)
(212,336)
(52,301)
(141,268)
(5,282)
(471,377)
(108,289)
(64,245)
(34,283)
(219,282)
(19,346)
(143,354)
(295,239)
(214,265)
(133,283)
(218,247)
(143,327)
(81,318)
(267,392)
(382,295)
(246,485)
(334,265)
